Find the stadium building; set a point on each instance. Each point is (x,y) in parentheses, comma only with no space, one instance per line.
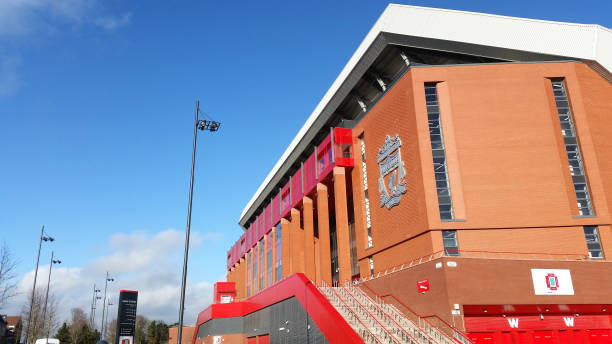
(453,185)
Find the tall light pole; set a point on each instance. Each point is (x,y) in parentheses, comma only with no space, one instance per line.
(53,261)
(107,307)
(42,238)
(211,126)
(108,279)
(94,301)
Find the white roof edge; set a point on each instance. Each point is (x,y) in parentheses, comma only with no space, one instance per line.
(582,41)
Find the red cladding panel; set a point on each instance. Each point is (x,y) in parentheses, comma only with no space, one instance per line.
(268,212)
(310,174)
(324,158)
(261,228)
(343,147)
(296,188)
(285,199)
(276,206)
(268,217)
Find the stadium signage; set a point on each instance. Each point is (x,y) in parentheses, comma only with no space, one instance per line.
(552,282)
(126,317)
(392,178)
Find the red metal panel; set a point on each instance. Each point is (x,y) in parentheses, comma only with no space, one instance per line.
(264,339)
(325,316)
(296,188)
(261,228)
(325,162)
(309,171)
(276,209)
(343,147)
(285,200)
(252,340)
(537,322)
(268,221)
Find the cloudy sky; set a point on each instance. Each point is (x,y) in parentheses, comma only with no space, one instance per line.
(96,111)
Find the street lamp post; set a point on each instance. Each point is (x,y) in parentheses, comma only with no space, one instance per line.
(108,279)
(42,238)
(211,126)
(108,308)
(94,301)
(53,261)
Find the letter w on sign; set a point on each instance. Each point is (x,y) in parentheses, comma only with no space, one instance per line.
(569,321)
(513,322)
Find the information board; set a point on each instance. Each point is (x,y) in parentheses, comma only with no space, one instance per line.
(126,317)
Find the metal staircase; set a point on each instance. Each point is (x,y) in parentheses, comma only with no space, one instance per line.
(378,322)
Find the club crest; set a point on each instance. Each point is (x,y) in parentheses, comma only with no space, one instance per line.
(392,180)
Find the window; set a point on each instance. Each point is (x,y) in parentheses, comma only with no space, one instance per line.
(593,244)
(372,266)
(438,152)
(262,262)
(279,251)
(449,238)
(366,198)
(270,262)
(572,148)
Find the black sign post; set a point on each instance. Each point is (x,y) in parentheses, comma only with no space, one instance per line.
(126,317)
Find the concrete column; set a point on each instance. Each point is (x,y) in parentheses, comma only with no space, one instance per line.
(342,227)
(309,251)
(285,249)
(324,244)
(297,242)
(265,260)
(317,259)
(272,246)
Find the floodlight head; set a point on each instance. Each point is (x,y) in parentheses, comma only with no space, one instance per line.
(57,262)
(211,126)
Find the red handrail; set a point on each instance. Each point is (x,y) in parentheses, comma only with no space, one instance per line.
(373,317)
(355,315)
(388,316)
(417,314)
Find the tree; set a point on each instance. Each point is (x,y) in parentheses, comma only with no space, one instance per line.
(140,335)
(8,283)
(152,333)
(63,334)
(111,331)
(162,332)
(76,328)
(37,327)
(157,332)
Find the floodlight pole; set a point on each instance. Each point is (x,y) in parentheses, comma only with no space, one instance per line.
(202,125)
(42,237)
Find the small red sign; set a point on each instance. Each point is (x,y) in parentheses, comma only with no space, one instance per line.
(423,286)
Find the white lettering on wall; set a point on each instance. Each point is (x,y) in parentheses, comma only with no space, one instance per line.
(513,322)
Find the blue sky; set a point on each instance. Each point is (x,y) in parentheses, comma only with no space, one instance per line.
(96,108)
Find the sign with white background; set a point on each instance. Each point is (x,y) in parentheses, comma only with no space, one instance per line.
(552,282)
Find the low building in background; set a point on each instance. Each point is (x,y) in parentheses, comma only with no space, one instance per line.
(454,184)
(187,334)
(14,327)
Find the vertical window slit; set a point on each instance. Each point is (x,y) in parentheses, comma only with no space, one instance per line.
(572,149)
(438,151)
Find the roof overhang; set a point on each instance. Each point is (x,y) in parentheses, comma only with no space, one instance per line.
(477,34)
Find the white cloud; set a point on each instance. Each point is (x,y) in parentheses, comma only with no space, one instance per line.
(149,264)
(19,17)
(113,22)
